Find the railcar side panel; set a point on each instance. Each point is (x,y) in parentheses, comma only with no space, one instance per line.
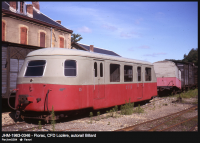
(73,97)
(168,81)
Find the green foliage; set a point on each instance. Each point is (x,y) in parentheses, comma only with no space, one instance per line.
(91,115)
(39,125)
(127,109)
(139,109)
(75,37)
(98,114)
(192,56)
(53,122)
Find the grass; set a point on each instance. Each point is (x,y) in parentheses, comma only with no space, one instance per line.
(91,115)
(39,125)
(127,109)
(98,114)
(139,109)
(187,94)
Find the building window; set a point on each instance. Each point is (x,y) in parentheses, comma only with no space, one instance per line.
(147,74)
(70,68)
(114,73)
(35,68)
(42,39)
(101,70)
(23,35)
(61,42)
(128,73)
(3,30)
(139,73)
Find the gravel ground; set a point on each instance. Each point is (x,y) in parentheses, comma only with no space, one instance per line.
(157,107)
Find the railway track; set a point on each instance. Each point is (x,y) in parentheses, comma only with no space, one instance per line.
(22,126)
(170,122)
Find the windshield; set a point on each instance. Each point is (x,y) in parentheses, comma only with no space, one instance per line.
(35,68)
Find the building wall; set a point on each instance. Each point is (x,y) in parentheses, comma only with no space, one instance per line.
(13,33)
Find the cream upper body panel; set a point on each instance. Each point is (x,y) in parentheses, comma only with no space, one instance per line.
(55,60)
(166,69)
(73,52)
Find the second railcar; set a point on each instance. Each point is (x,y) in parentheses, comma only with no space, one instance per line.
(168,75)
(71,79)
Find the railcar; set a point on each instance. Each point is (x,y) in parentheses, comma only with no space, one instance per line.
(168,76)
(70,80)
(175,76)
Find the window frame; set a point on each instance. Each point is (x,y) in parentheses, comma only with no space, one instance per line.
(140,73)
(76,68)
(101,71)
(128,75)
(27,67)
(119,72)
(95,70)
(150,74)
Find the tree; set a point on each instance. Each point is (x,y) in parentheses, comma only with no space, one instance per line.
(192,56)
(75,37)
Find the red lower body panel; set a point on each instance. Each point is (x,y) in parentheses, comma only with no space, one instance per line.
(73,97)
(168,81)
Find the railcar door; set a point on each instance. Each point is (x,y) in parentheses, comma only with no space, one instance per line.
(140,82)
(98,79)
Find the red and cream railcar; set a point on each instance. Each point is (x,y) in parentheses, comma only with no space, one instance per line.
(168,75)
(73,79)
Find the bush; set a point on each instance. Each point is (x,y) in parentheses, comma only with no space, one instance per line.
(127,109)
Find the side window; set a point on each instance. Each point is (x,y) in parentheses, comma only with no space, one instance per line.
(101,70)
(95,69)
(42,39)
(70,68)
(139,73)
(114,73)
(61,42)
(147,74)
(23,35)
(35,68)
(128,73)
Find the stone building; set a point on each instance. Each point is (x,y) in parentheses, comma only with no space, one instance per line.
(24,29)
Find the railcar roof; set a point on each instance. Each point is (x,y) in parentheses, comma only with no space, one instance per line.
(74,52)
(164,62)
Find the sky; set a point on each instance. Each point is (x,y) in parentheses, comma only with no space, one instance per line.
(149,31)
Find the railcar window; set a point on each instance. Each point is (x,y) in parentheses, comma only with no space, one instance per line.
(70,68)
(139,73)
(101,70)
(95,68)
(147,74)
(35,68)
(114,73)
(128,73)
